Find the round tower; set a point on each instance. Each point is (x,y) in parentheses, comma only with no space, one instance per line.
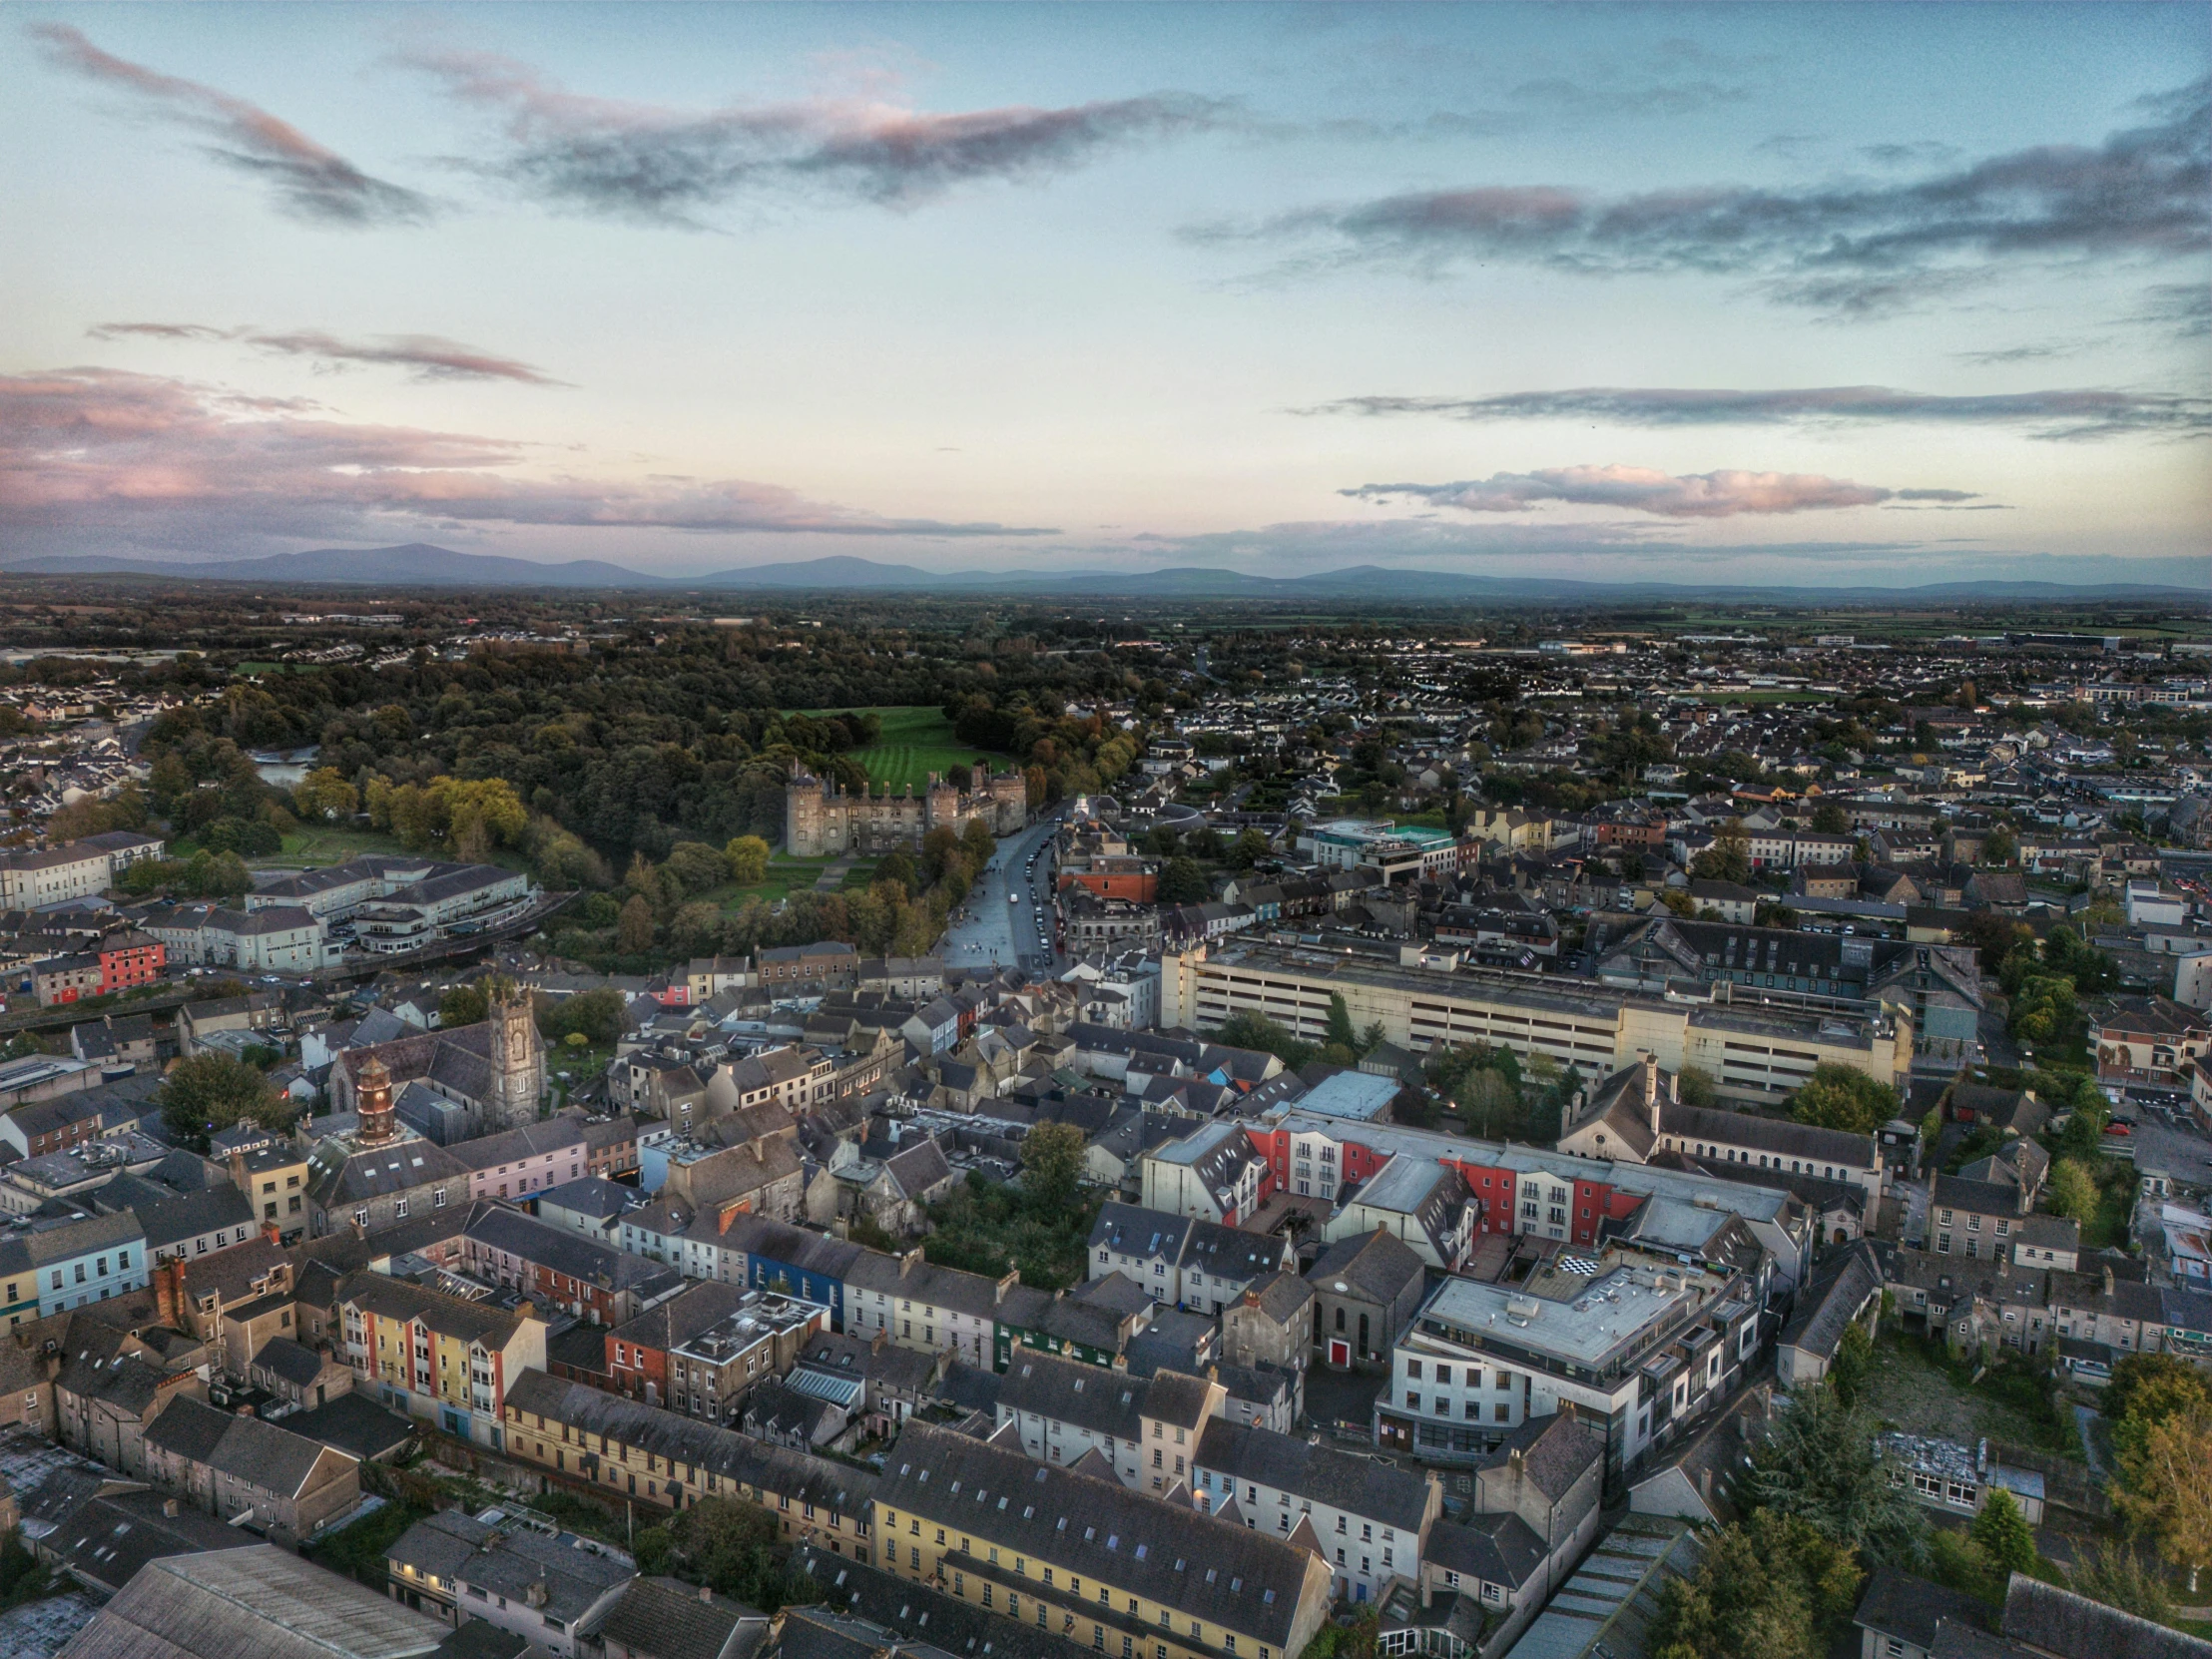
(379,1122)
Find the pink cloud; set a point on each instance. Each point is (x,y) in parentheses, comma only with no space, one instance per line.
(106,451)
(646,161)
(311,181)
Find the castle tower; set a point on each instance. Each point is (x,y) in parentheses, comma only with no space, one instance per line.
(379,1122)
(517,1063)
(1010,801)
(943,803)
(803,811)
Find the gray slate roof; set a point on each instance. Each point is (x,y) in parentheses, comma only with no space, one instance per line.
(1199,1565)
(1346,1481)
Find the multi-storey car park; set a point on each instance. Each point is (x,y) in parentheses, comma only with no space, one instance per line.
(1752,1054)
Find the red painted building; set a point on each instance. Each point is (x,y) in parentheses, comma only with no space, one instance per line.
(130,958)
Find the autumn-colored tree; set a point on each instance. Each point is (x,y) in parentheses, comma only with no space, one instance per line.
(324,794)
(747,858)
(2073,1191)
(2166,1490)
(634,927)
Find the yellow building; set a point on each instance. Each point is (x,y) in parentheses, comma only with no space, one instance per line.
(435,1355)
(1753,1052)
(624,1448)
(1109,1569)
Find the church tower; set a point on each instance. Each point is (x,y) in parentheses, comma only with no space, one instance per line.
(517,1062)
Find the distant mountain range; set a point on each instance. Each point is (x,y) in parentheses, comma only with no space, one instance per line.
(420,564)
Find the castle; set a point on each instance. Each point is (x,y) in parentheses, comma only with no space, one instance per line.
(819,821)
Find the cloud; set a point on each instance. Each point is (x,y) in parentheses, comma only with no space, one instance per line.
(425,357)
(1624,546)
(102,450)
(2066,413)
(663,165)
(1851,247)
(2186,308)
(309,180)
(1726,494)
(1925,153)
(1613,98)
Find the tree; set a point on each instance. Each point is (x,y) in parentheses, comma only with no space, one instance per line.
(596,1015)
(1052,1165)
(1182,882)
(979,842)
(1766,1590)
(2146,1390)
(1252,846)
(2073,1191)
(1338,1034)
(1819,1462)
(698,865)
(634,927)
(211,1092)
(2116,1577)
(1258,1032)
(1696,1086)
(324,794)
(2002,1531)
(2001,848)
(1829,820)
(2166,1488)
(732,1546)
(1853,1359)
(1838,1096)
(462,1005)
(1729,857)
(747,858)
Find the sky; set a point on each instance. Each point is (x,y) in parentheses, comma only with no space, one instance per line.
(1795,294)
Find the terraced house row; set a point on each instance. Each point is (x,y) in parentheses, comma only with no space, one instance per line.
(578,1433)
(1084,1557)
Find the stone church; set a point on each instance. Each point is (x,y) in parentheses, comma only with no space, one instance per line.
(467,1081)
(821,820)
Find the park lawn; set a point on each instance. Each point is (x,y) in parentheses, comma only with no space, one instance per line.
(857,878)
(916,741)
(328,843)
(779,884)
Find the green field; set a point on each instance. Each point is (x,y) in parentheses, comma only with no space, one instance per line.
(915,742)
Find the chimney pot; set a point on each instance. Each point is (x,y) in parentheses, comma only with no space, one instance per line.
(169,1507)
(705,1593)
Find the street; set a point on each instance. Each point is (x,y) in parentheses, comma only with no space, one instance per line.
(988,932)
